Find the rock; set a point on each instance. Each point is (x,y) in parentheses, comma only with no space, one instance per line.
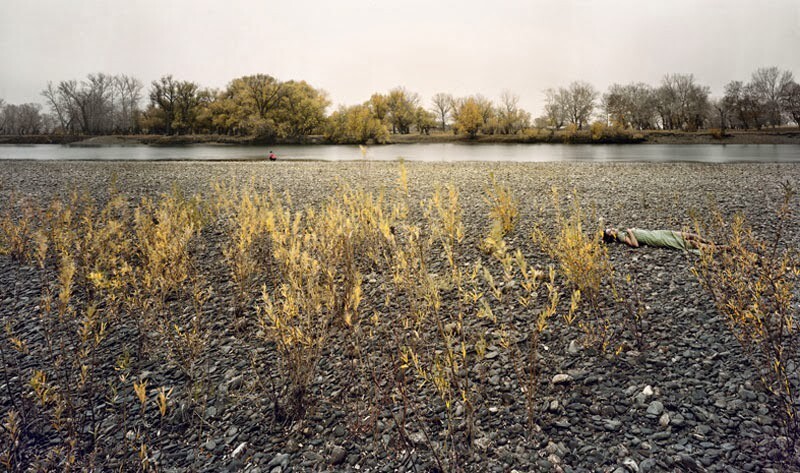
(647,465)
(655,408)
(279,460)
(612,425)
(630,465)
(664,420)
(562,378)
(483,443)
(236,382)
(573,348)
(677,420)
(747,394)
(417,438)
(338,455)
(210,445)
(239,449)
(647,391)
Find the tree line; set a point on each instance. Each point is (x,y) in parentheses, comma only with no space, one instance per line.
(262,106)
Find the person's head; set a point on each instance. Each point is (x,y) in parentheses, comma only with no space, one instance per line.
(610,234)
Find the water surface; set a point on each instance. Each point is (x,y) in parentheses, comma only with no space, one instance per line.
(430,152)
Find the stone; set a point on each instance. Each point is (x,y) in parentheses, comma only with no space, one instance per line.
(338,455)
(664,420)
(239,449)
(630,465)
(612,425)
(647,465)
(655,408)
(562,378)
(647,391)
(573,348)
(280,460)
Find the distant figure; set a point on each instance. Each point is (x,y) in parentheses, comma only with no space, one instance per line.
(272,156)
(635,237)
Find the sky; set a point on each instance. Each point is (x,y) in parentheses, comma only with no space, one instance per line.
(354,48)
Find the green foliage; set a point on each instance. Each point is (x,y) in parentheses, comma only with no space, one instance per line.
(355,125)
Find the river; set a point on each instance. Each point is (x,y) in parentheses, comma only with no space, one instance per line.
(431,152)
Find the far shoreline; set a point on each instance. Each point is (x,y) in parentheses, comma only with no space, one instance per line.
(782,136)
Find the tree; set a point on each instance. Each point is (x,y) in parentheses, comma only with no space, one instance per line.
(770,86)
(469,118)
(128,93)
(164,98)
(442,106)
(2,117)
(356,124)
(424,120)
(554,107)
(402,106)
(256,95)
(741,100)
(510,118)
(579,103)
(681,103)
(187,101)
(378,105)
(301,110)
(791,101)
(630,106)
(24,119)
(102,103)
(722,108)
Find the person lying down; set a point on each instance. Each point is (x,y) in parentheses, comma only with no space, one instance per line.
(636,237)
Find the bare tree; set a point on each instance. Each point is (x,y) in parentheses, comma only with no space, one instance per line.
(579,103)
(681,103)
(2,117)
(24,119)
(770,85)
(554,107)
(442,106)
(511,119)
(745,111)
(59,105)
(128,95)
(791,101)
(631,105)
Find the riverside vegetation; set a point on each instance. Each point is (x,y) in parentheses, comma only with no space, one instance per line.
(113,369)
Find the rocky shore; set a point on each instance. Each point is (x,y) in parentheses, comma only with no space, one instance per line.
(687,400)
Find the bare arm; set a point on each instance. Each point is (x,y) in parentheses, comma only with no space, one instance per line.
(629,239)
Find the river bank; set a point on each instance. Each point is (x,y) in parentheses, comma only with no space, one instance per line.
(687,399)
(766,136)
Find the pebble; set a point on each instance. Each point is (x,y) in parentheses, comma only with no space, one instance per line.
(562,378)
(280,459)
(664,420)
(655,408)
(338,455)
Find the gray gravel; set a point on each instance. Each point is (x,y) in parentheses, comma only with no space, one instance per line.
(688,402)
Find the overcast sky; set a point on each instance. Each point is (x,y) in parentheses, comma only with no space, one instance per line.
(353,48)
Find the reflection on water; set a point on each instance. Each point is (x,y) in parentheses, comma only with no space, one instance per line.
(434,152)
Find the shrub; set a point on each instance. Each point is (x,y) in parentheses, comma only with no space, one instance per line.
(753,281)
